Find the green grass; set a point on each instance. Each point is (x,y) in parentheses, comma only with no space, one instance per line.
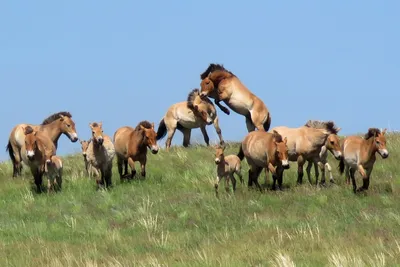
(174,219)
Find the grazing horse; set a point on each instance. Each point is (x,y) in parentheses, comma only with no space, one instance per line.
(90,170)
(36,152)
(54,170)
(332,144)
(359,155)
(265,150)
(185,116)
(306,142)
(226,167)
(223,85)
(55,125)
(100,154)
(131,145)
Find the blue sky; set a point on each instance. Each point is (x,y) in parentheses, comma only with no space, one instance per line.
(105,61)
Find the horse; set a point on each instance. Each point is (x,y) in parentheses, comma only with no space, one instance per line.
(54,170)
(187,115)
(131,145)
(100,154)
(90,170)
(54,126)
(306,142)
(223,85)
(265,150)
(226,167)
(332,144)
(359,155)
(36,151)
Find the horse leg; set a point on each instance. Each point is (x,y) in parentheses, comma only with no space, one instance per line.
(38,180)
(366,180)
(108,175)
(308,170)
(186,137)
(238,172)
(224,109)
(316,169)
(216,184)
(132,166)
(218,130)
(300,173)
(171,132)
(205,135)
(330,172)
(143,167)
(352,173)
(120,161)
(321,165)
(255,173)
(249,124)
(347,174)
(279,174)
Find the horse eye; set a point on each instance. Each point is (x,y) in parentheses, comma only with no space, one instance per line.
(332,142)
(68,125)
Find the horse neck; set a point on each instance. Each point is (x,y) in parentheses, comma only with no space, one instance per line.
(272,157)
(53,131)
(217,76)
(369,147)
(136,144)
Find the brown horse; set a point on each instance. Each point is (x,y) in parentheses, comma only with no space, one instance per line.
(36,152)
(131,145)
(332,144)
(54,170)
(305,143)
(185,116)
(226,167)
(265,150)
(359,155)
(100,154)
(55,125)
(223,85)
(90,170)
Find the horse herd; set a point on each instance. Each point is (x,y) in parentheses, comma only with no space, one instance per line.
(264,148)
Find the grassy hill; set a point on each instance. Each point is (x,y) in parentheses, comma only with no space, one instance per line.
(174,219)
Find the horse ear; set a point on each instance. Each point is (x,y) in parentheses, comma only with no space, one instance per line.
(142,127)
(100,124)
(338,130)
(61,117)
(90,125)
(384,131)
(285,140)
(152,125)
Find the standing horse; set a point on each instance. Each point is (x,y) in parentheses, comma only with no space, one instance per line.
(54,170)
(55,125)
(185,116)
(90,170)
(131,145)
(332,144)
(100,154)
(226,167)
(36,151)
(265,150)
(223,85)
(305,143)
(359,155)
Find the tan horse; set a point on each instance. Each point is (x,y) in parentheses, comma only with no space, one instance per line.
(131,145)
(305,143)
(332,144)
(188,115)
(100,154)
(54,126)
(226,167)
(54,170)
(359,155)
(265,150)
(90,170)
(223,85)
(36,151)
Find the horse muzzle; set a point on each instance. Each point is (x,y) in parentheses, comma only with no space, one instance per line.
(30,154)
(73,137)
(384,153)
(217,161)
(154,149)
(100,140)
(285,164)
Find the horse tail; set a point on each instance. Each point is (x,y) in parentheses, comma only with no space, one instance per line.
(10,151)
(162,130)
(341,165)
(267,123)
(240,154)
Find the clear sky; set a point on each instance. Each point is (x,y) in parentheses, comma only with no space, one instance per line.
(121,62)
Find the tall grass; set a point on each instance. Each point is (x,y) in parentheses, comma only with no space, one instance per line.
(172,218)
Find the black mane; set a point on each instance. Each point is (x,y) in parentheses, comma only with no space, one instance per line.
(56,116)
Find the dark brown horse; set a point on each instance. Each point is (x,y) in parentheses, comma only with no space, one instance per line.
(223,85)
(131,145)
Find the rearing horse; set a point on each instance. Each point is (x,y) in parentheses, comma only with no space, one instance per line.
(223,85)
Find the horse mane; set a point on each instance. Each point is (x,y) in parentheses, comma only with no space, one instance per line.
(95,124)
(56,116)
(28,130)
(145,124)
(326,125)
(371,133)
(214,67)
(278,138)
(192,96)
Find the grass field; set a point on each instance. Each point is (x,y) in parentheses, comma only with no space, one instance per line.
(174,219)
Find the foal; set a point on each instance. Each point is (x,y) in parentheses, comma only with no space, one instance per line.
(54,170)
(359,155)
(90,169)
(226,167)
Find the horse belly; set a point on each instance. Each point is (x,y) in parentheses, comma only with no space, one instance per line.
(238,107)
